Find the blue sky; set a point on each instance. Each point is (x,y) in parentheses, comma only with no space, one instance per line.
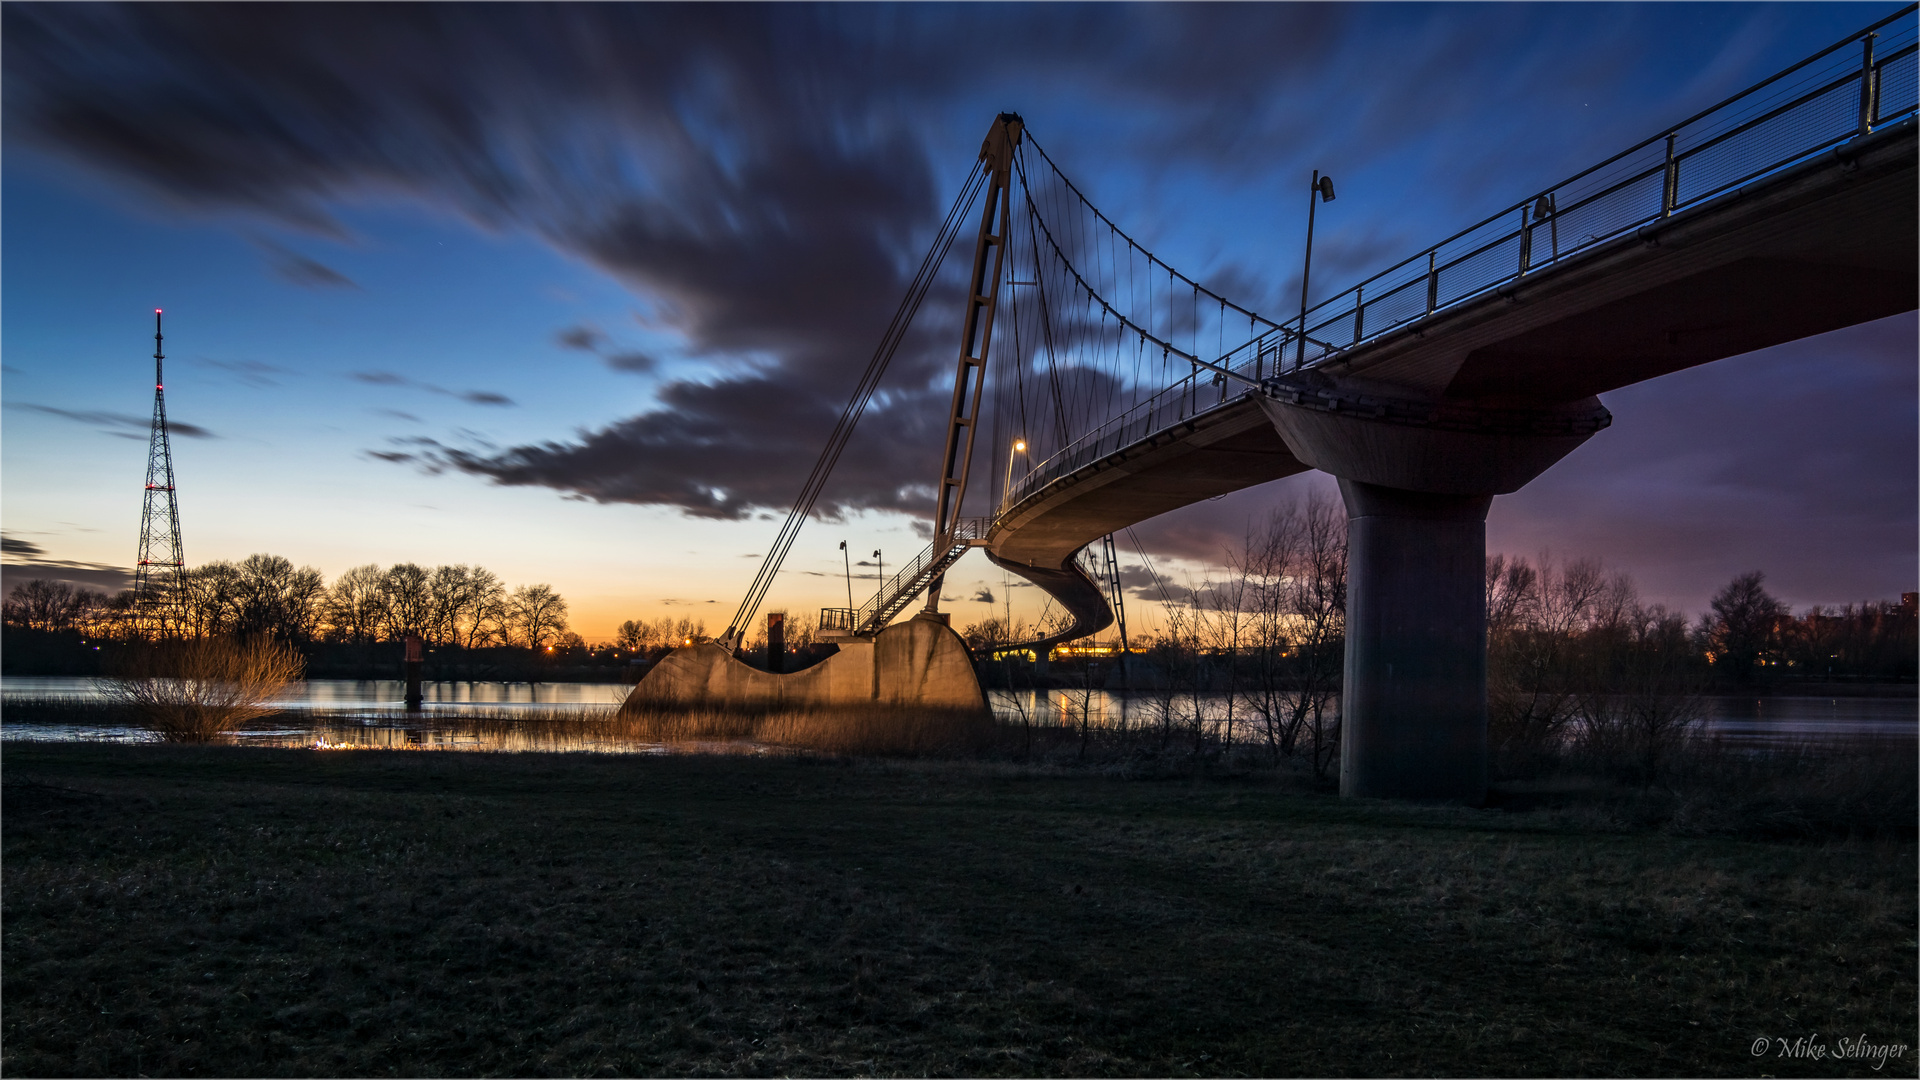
(657,244)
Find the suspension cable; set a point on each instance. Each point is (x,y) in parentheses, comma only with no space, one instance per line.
(1165,346)
(856,405)
(1136,244)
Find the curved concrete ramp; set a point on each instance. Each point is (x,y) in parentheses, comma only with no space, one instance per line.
(1075,592)
(920,662)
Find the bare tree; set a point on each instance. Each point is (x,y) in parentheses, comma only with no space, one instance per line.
(1639,691)
(206,602)
(492,617)
(536,613)
(354,607)
(634,635)
(1264,562)
(464,604)
(1228,623)
(1317,602)
(1297,565)
(405,600)
(1740,634)
(1535,615)
(54,606)
(274,599)
(1512,590)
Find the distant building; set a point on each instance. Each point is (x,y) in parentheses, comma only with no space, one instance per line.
(1910,603)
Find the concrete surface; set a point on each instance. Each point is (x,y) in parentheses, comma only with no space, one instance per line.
(1414,707)
(919,662)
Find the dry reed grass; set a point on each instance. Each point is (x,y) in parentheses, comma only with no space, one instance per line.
(203,688)
(856,730)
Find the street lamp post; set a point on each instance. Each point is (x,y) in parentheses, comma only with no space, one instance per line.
(847,557)
(882,563)
(1006,490)
(1322,187)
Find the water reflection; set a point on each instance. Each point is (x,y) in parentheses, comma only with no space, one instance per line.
(1738,719)
(370,693)
(575,717)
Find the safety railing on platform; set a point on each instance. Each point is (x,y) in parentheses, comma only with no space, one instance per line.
(1827,99)
(898,591)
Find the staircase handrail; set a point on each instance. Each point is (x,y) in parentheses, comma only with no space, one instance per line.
(904,585)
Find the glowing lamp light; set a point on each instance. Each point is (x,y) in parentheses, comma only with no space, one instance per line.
(1020,445)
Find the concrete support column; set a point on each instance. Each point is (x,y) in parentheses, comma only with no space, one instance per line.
(1414,707)
(1418,476)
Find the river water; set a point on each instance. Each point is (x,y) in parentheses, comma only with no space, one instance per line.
(533,716)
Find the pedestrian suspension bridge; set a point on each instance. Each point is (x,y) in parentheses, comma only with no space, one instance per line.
(1122,388)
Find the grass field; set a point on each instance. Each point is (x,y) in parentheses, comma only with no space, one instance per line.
(213,910)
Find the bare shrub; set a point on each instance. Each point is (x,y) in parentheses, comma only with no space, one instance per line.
(202,688)
(1859,786)
(1296,573)
(1640,693)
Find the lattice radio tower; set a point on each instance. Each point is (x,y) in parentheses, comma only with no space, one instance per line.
(156,576)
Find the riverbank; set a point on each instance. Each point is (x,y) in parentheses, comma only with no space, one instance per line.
(176,910)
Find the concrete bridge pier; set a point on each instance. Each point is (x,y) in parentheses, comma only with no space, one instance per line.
(1418,477)
(1414,710)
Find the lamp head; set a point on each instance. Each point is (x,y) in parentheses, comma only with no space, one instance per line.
(1325,188)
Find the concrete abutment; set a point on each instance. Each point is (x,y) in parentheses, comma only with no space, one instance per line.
(920,663)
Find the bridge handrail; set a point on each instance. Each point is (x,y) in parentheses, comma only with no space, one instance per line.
(1605,183)
(1174,405)
(1739,115)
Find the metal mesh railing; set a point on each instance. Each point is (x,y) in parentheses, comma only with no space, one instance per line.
(1844,91)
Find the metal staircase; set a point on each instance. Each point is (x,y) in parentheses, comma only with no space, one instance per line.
(913,578)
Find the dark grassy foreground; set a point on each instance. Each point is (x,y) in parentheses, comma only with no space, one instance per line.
(188,910)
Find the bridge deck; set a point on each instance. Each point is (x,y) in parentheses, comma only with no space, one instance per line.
(1824,245)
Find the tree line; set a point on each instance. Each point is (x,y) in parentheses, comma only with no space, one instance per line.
(460,606)
(1269,632)
(1575,658)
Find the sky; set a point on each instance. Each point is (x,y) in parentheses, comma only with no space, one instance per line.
(576,292)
